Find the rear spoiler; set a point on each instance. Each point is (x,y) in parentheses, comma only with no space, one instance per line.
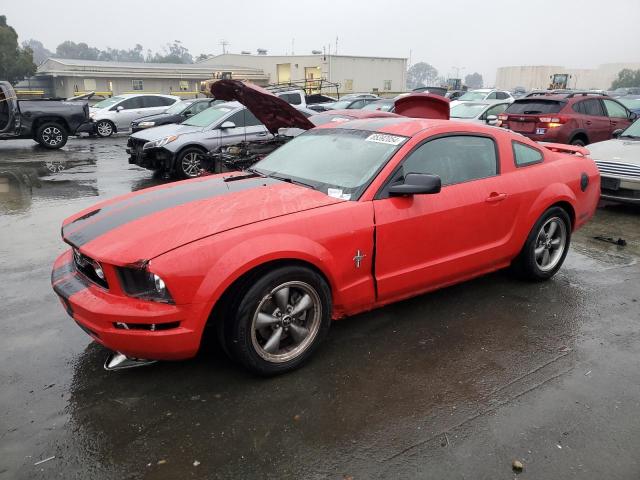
(562,148)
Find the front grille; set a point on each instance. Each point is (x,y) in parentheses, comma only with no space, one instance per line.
(618,169)
(135,147)
(87,267)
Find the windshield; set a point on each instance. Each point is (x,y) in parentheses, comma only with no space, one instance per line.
(633,130)
(108,102)
(467,110)
(209,116)
(630,103)
(178,108)
(381,106)
(534,106)
(338,162)
(342,104)
(471,96)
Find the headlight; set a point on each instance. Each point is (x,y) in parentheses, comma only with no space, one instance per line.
(141,283)
(160,142)
(92,114)
(147,124)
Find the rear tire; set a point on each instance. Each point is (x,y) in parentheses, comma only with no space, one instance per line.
(546,247)
(578,142)
(51,135)
(105,128)
(188,163)
(279,321)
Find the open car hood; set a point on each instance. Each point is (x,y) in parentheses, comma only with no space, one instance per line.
(272,111)
(423,105)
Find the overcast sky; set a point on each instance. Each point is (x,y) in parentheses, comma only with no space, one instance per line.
(471,35)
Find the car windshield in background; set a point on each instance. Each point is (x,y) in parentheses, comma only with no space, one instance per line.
(342,104)
(323,118)
(108,102)
(338,162)
(379,106)
(208,116)
(178,108)
(534,107)
(633,131)
(467,110)
(630,103)
(471,96)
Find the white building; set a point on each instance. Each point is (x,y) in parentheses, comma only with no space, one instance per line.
(353,73)
(539,76)
(62,77)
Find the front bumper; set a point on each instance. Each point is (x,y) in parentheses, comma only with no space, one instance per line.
(87,127)
(101,314)
(620,189)
(151,158)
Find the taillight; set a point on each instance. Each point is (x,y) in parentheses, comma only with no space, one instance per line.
(553,122)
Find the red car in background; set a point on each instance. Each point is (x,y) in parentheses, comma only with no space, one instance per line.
(576,118)
(342,219)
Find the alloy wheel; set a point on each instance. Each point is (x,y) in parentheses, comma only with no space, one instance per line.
(286,322)
(52,136)
(104,129)
(191,164)
(550,244)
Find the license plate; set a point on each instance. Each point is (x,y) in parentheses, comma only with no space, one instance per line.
(527,127)
(540,131)
(609,183)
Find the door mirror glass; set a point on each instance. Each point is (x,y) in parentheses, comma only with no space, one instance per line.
(226,125)
(416,184)
(188,113)
(119,108)
(492,119)
(633,116)
(616,133)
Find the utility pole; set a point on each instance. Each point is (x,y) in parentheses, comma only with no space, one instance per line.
(336,52)
(293,43)
(224,44)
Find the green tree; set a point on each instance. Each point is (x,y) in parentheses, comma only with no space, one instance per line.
(626,78)
(77,51)
(16,63)
(421,74)
(173,53)
(473,80)
(40,52)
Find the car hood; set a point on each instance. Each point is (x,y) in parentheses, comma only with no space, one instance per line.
(617,150)
(423,105)
(142,225)
(273,112)
(160,117)
(155,133)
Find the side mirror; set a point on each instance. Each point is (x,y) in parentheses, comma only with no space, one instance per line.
(119,108)
(416,184)
(226,125)
(633,116)
(188,113)
(492,120)
(616,133)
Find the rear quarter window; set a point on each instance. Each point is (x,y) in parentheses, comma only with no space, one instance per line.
(534,107)
(524,155)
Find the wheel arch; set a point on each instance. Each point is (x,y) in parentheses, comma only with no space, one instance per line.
(39,121)
(580,133)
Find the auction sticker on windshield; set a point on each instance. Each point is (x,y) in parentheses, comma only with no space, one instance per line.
(384,138)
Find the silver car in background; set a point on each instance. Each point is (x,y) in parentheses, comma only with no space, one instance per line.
(478,112)
(177,149)
(115,114)
(619,163)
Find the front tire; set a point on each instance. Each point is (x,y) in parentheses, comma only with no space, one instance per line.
(546,247)
(188,164)
(51,135)
(280,320)
(104,128)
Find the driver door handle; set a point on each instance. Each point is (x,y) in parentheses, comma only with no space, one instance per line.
(262,134)
(495,197)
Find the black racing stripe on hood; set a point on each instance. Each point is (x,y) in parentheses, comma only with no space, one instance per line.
(62,271)
(100,221)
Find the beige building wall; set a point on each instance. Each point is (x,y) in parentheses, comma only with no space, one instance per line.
(355,74)
(538,76)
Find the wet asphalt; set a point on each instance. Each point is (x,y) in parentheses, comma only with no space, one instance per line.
(451,385)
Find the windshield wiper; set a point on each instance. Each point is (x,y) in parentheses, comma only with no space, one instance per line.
(629,136)
(290,180)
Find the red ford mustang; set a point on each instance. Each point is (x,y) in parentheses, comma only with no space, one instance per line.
(339,220)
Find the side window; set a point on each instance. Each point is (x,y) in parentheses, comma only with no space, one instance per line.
(614,109)
(358,104)
(131,103)
(150,101)
(593,107)
(579,108)
(198,107)
(167,101)
(501,95)
(524,155)
(454,159)
(496,109)
(244,118)
(492,96)
(292,98)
